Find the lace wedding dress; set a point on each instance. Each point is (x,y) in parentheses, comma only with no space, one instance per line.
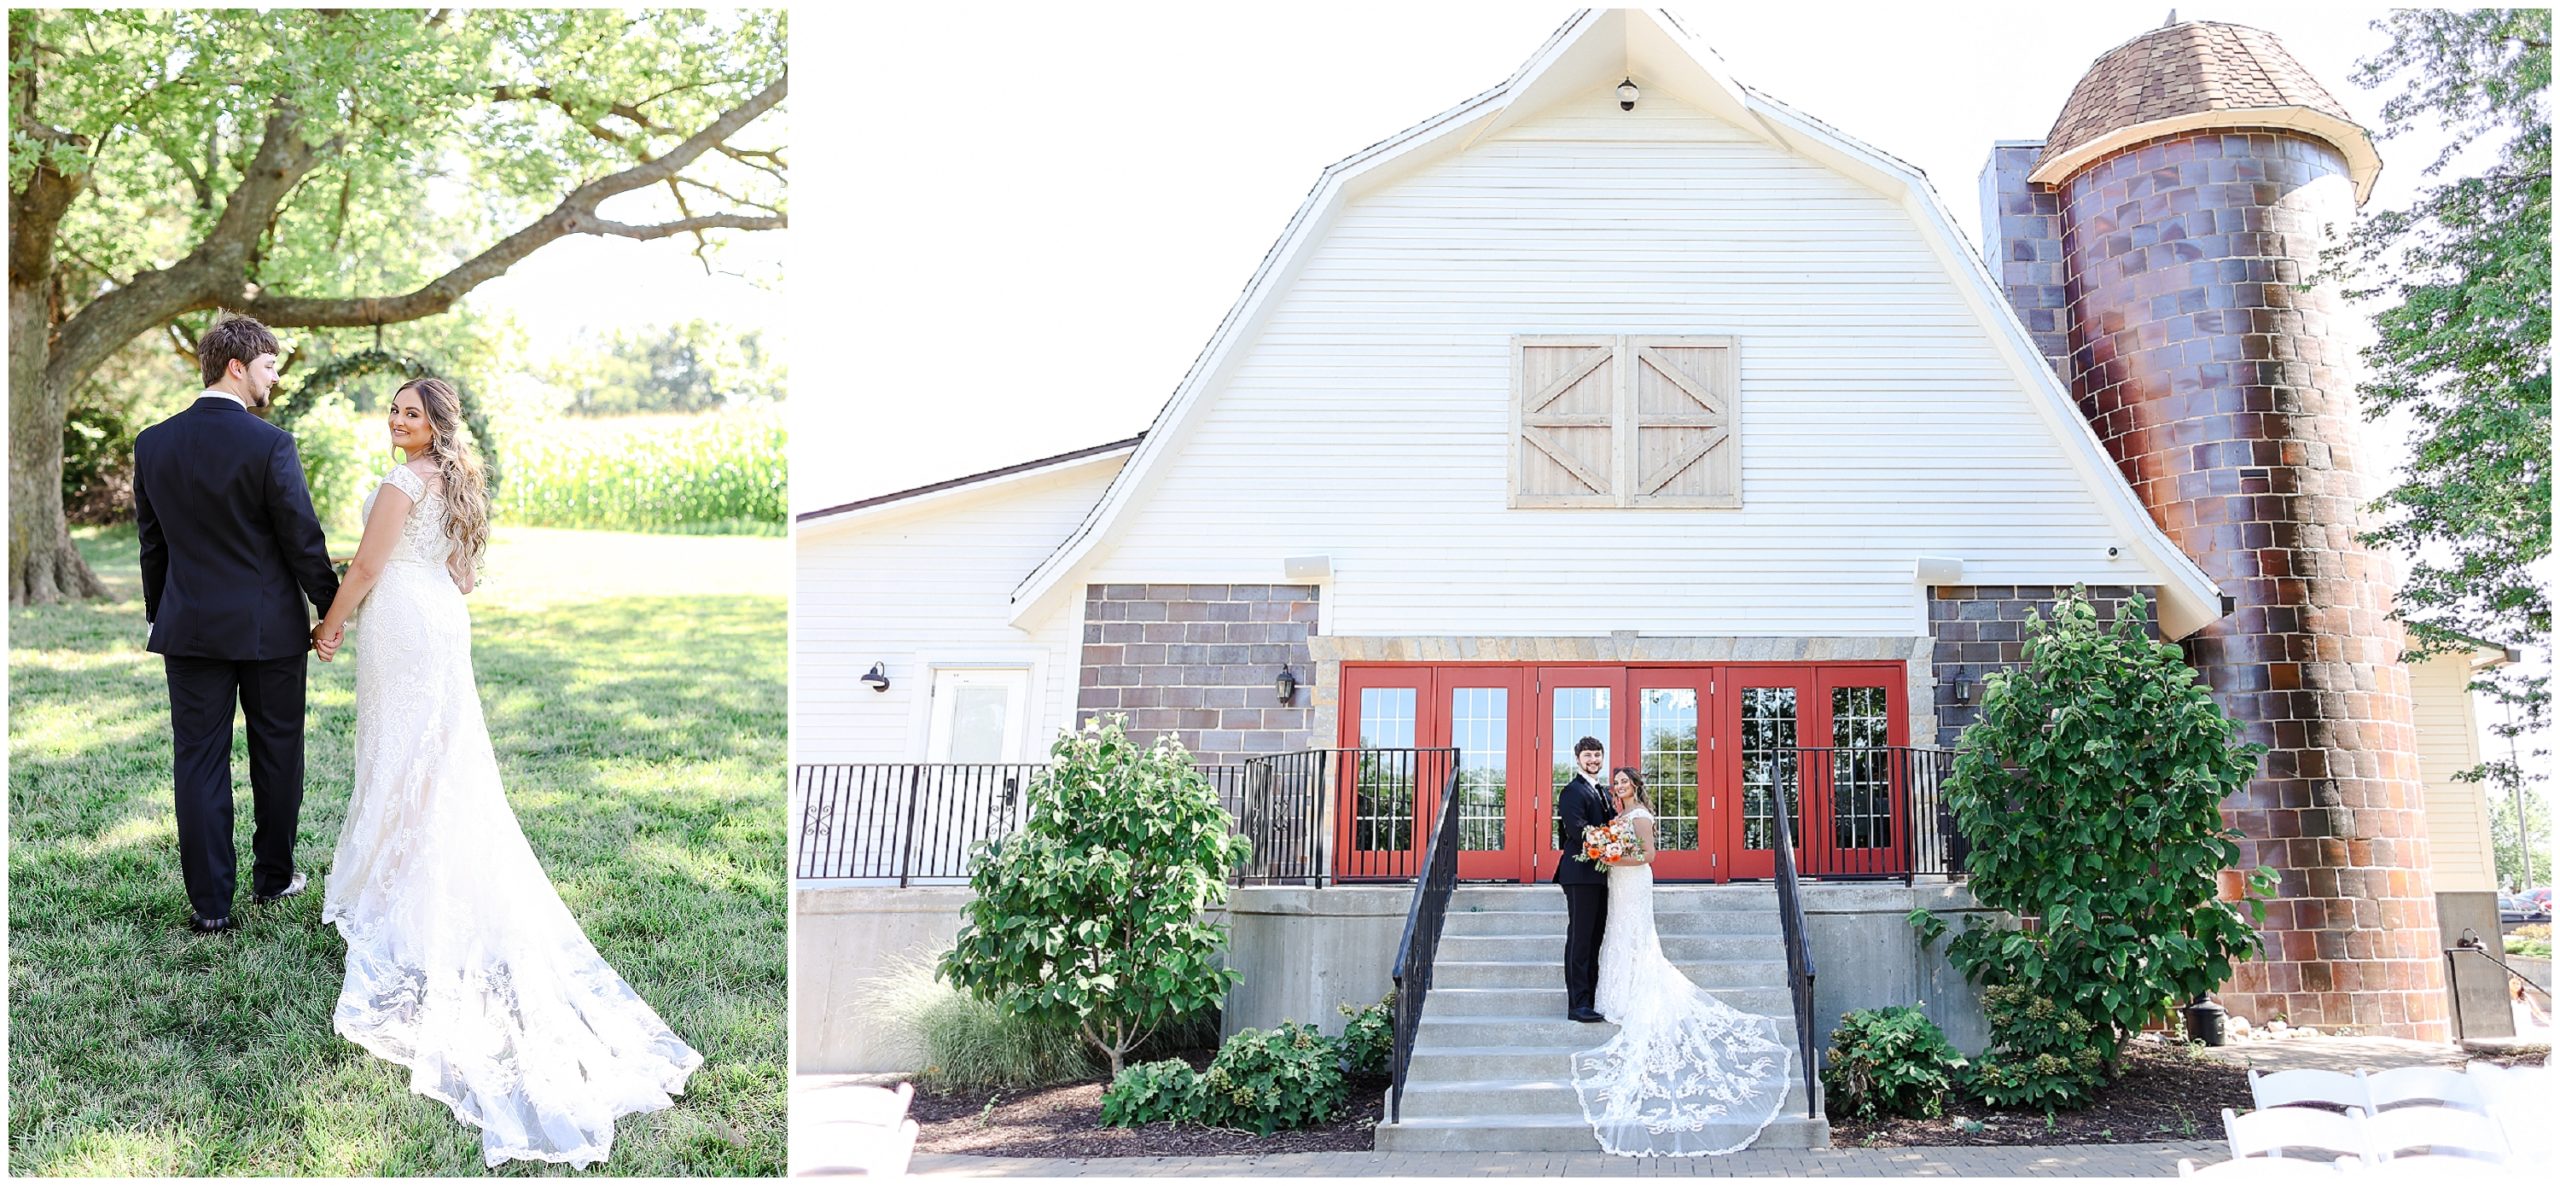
(462,963)
(1687,1074)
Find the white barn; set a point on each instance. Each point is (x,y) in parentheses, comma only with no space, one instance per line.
(1692,424)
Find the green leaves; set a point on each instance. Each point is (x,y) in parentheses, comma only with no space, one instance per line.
(2091,789)
(1890,1062)
(1094,912)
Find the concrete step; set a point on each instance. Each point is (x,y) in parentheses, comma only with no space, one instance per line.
(1681,949)
(1546,897)
(1547,1002)
(1539,1134)
(1551,1098)
(1549,972)
(1534,1034)
(1551,922)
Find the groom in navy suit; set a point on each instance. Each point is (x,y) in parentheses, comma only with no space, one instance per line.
(1583,804)
(230,552)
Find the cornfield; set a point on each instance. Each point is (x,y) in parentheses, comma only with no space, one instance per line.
(722,473)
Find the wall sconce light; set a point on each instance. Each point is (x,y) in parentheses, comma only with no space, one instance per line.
(877,678)
(1286,685)
(1963,689)
(1627,95)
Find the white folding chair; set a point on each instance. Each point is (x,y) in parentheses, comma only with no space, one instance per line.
(2260,1169)
(2520,1100)
(2285,1089)
(2402,1086)
(2436,1129)
(2295,1132)
(852,1128)
(2437,1167)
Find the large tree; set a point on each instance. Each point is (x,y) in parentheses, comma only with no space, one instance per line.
(2464,276)
(166,164)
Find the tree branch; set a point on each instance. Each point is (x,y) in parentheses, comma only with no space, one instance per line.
(200,280)
(575,215)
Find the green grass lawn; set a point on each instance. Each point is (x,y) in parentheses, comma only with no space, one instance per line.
(634,688)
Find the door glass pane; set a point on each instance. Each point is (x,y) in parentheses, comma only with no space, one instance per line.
(977,722)
(1768,762)
(1480,724)
(1669,732)
(1580,713)
(1382,800)
(1861,796)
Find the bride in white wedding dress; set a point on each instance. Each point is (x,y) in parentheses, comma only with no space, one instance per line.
(462,963)
(1687,1074)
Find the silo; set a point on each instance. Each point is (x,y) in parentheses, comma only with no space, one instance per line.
(2168,233)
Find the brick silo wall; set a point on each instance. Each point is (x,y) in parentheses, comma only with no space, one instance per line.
(2224,392)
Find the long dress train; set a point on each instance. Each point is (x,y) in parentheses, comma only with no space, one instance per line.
(462,963)
(1686,1075)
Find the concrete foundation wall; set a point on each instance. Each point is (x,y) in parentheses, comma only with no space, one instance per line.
(1305,951)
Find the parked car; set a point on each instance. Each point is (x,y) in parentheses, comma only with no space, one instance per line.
(2541,897)
(2517,908)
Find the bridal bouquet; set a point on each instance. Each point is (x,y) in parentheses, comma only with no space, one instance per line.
(1610,843)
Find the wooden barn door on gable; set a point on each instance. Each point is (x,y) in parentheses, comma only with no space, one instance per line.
(1684,449)
(1624,421)
(1565,443)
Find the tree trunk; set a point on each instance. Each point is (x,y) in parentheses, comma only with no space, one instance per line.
(43,565)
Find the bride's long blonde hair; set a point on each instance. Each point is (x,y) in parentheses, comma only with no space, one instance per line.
(466,486)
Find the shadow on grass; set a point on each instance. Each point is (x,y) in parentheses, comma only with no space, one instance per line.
(642,740)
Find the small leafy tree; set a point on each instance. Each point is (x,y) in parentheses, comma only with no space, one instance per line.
(1095,913)
(2091,790)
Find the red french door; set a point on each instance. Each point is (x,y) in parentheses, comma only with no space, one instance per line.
(1477,710)
(1720,748)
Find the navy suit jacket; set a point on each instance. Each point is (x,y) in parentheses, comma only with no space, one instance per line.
(230,548)
(1581,805)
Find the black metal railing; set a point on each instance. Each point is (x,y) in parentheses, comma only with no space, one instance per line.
(1799,962)
(1435,883)
(1876,812)
(1345,814)
(917,822)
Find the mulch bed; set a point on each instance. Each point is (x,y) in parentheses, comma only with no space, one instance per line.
(2165,1095)
(1066,1121)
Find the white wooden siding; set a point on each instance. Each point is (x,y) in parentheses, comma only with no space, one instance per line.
(2448,743)
(1368,418)
(913,587)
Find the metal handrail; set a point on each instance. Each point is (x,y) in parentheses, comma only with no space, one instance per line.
(1423,921)
(1799,957)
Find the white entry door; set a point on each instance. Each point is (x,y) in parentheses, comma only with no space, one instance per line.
(979,715)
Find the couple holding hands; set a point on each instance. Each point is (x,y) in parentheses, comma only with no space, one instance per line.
(462,963)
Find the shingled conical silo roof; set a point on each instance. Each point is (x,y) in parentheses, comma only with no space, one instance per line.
(2192,75)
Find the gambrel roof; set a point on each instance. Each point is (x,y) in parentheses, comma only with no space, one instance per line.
(1597,48)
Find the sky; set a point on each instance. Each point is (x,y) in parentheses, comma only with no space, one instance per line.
(586,285)
(1081,192)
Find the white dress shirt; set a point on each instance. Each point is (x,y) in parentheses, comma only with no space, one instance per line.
(226,395)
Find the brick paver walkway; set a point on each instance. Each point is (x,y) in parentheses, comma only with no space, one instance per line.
(2056,1161)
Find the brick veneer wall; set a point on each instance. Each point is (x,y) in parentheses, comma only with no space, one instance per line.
(1978,629)
(2212,372)
(2026,241)
(1198,661)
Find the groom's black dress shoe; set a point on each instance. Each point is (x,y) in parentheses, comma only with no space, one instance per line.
(295,886)
(1586,1015)
(207,926)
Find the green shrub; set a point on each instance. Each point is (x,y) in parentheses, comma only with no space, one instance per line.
(1890,1062)
(97,466)
(1369,1036)
(1096,913)
(1147,1092)
(2042,1055)
(2091,790)
(1268,1080)
(967,1043)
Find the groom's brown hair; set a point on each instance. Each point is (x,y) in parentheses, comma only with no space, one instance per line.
(233,337)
